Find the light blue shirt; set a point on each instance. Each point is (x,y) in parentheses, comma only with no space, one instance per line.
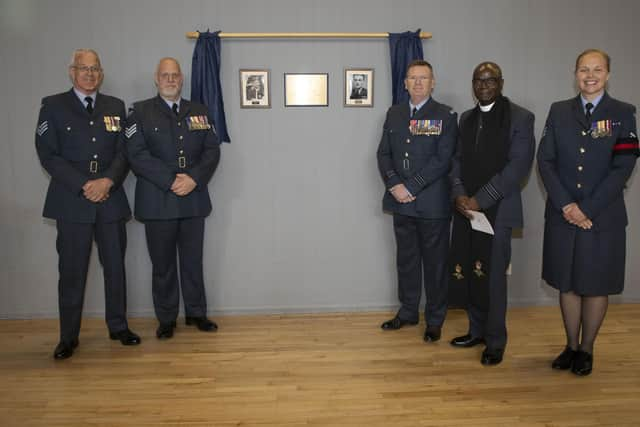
(81,96)
(170,103)
(595,103)
(418,107)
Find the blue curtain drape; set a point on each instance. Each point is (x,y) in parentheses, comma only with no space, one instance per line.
(404,47)
(205,81)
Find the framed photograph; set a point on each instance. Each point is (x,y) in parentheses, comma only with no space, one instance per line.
(358,87)
(306,90)
(255,89)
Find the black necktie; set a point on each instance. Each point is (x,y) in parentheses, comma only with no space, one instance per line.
(414,111)
(174,108)
(89,106)
(588,107)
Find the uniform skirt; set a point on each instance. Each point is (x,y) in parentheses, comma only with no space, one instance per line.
(589,263)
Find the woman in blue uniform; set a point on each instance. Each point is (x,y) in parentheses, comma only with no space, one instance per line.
(588,150)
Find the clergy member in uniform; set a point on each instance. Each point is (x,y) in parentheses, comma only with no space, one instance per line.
(78,140)
(495,151)
(414,158)
(174,152)
(587,153)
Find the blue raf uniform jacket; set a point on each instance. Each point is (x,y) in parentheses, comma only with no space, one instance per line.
(161,145)
(505,186)
(74,147)
(419,157)
(588,163)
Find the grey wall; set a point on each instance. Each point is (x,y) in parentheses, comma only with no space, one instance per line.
(297,224)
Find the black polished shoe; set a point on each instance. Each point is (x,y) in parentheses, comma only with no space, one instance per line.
(202,323)
(466,341)
(64,350)
(396,323)
(432,333)
(126,337)
(582,363)
(565,359)
(165,330)
(492,357)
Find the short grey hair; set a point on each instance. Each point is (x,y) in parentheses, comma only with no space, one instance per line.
(79,52)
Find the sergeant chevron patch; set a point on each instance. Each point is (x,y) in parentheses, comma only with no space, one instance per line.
(130,131)
(42,128)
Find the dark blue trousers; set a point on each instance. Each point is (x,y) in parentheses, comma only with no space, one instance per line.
(168,240)
(422,250)
(74,243)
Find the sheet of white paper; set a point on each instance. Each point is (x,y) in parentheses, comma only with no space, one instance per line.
(479,222)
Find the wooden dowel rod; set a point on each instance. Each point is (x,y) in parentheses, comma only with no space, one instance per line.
(195,34)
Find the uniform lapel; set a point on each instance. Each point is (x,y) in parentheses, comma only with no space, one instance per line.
(75,103)
(425,110)
(600,112)
(185,107)
(578,113)
(163,107)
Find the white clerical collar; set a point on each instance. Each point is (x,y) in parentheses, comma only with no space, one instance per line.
(487,108)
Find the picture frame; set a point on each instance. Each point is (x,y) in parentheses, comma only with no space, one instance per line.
(255,88)
(306,89)
(358,87)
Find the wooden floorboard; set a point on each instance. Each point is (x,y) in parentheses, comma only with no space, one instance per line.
(317,370)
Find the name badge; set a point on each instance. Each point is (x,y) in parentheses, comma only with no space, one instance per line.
(198,123)
(425,127)
(600,129)
(112,123)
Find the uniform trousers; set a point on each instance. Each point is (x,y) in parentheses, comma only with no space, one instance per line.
(186,237)
(489,321)
(422,247)
(73,244)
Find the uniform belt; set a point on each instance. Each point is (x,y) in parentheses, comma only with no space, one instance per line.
(93,166)
(182,162)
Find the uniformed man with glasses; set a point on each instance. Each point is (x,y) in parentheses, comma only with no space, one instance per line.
(414,158)
(78,140)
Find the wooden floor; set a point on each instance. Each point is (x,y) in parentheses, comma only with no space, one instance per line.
(317,370)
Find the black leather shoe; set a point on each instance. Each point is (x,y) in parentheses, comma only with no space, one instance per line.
(466,341)
(126,337)
(432,333)
(565,359)
(202,323)
(396,323)
(65,350)
(492,357)
(582,363)
(165,330)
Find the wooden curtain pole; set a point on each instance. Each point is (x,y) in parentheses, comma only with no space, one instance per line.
(195,34)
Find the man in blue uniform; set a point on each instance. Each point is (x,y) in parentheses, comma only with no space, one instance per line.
(174,152)
(79,145)
(495,150)
(414,157)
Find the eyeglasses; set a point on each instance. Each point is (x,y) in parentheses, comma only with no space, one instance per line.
(418,78)
(167,76)
(490,82)
(85,69)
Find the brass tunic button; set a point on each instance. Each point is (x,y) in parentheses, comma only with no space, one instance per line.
(582,150)
(91,123)
(93,139)
(408,140)
(579,185)
(179,124)
(68,128)
(181,151)
(180,137)
(580,168)
(95,156)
